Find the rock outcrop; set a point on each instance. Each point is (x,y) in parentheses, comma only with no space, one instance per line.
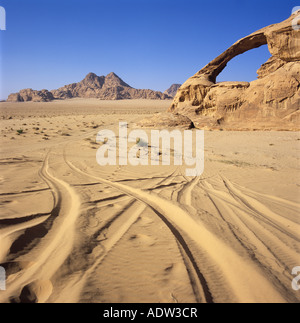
(31,95)
(270,102)
(166,121)
(109,87)
(172,90)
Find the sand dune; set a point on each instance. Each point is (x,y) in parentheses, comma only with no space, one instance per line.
(72,231)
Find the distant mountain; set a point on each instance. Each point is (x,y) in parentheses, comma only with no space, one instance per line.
(172,90)
(109,87)
(31,95)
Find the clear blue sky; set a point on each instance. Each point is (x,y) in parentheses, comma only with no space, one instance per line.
(148,43)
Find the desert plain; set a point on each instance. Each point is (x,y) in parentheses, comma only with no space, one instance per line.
(73,231)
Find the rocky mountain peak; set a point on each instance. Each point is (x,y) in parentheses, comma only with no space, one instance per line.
(172,90)
(113,79)
(93,80)
(109,87)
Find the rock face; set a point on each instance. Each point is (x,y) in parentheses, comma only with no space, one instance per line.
(172,90)
(166,121)
(31,95)
(270,102)
(109,87)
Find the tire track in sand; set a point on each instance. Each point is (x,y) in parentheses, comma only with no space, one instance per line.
(247,283)
(57,245)
(263,246)
(118,227)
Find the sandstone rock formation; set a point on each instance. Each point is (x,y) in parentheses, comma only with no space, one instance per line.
(270,102)
(109,87)
(166,121)
(172,90)
(31,95)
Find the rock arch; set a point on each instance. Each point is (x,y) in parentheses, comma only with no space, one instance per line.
(271,101)
(215,67)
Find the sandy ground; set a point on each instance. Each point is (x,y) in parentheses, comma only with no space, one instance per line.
(73,231)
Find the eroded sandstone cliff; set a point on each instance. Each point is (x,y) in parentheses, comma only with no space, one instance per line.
(270,102)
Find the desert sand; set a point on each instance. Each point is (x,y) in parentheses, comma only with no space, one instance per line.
(73,231)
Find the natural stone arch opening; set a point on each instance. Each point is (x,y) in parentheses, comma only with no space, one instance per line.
(239,68)
(270,102)
(211,71)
